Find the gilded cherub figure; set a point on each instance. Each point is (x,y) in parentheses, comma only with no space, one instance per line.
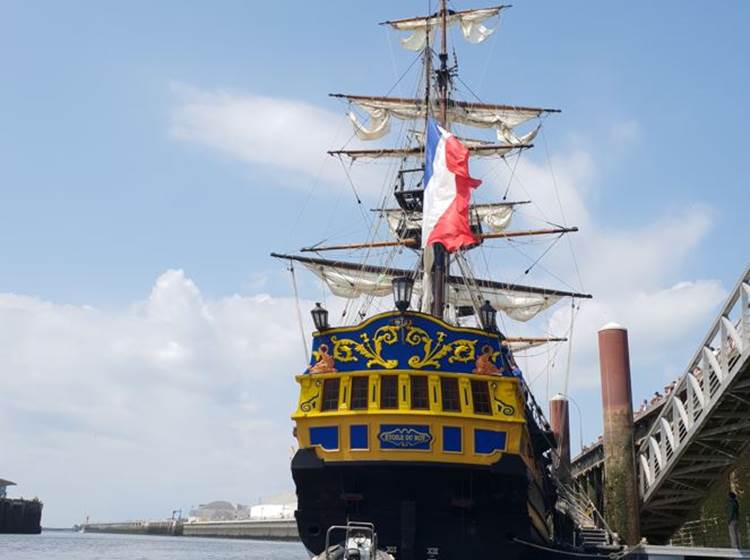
(484,363)
(325,363)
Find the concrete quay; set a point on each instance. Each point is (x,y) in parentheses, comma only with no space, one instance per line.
(168,528)
(260,529)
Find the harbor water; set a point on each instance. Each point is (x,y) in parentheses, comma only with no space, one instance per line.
(61,545)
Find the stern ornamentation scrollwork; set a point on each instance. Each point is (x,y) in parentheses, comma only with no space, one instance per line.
(460,350)
(344,349)
(433,349)
(309,404)
(502,407)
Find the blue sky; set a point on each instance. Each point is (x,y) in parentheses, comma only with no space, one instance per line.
(120,161)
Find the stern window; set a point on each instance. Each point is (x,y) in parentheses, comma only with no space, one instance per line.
(449,390)
(480,394)
(330,394)
(389,391)
(419,398)
(359,393)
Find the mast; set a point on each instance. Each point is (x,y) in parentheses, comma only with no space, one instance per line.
(437,288)
(440,264)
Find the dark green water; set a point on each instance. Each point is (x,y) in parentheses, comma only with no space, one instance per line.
(75,546)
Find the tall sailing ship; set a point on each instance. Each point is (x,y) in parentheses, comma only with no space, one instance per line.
(418,420)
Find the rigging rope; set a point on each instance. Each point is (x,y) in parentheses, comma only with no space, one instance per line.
(299,313)
(470,281)
(562,212)
(547,250)
(573,313)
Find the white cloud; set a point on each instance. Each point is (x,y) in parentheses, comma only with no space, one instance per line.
(662,327)
(285,135)
(634,270)
(131,412)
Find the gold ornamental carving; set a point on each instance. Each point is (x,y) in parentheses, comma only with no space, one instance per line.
(461,350)
(345,348)
(432,350)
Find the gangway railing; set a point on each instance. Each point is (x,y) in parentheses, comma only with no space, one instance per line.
(704,424)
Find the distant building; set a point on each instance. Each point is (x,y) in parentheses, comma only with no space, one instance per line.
(4,487)
(214,511)
(281,506)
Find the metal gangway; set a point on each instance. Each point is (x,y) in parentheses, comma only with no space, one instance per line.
(704,424)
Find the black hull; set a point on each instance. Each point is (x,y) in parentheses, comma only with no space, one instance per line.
(425,511)
(20,516)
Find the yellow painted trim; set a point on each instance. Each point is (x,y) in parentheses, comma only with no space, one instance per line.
(507,389)
(434,397)
(345,392)
(373,393)
(515,434)
(404,394)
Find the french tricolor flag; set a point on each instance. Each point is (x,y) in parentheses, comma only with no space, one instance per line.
(447,191)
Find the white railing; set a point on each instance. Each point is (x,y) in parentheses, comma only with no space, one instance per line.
(723,353)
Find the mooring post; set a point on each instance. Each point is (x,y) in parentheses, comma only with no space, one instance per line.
(620,484)
(560,423)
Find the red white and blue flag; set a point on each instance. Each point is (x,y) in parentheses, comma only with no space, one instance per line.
(447,191)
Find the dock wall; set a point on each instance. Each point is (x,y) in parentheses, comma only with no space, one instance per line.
(168,528)
(20,516)
(261,529)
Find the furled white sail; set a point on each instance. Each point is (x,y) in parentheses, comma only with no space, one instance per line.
(503,118)
(378,125)
(399,220)
(471,23)
(505,134)
(470,142)
(516,304)
(521,306)
(484,150)
(496,217)
(352,283)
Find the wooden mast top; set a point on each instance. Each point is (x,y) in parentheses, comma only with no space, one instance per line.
(443,81)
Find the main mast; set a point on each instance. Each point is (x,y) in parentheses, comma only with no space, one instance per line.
(351,280)
(441,262)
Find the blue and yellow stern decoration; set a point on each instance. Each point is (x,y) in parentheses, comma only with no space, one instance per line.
(410,387)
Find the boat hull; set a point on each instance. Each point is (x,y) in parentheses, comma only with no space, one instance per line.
(424,511)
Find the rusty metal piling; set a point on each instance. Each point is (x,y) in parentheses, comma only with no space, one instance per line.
(621,509)
(560,423)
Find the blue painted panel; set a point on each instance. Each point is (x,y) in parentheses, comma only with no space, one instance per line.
(451,438)
(358,437)
(326,437)
(405,341)
(404,436)
(487,441)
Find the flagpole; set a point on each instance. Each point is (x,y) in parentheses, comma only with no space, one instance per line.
(440,265)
